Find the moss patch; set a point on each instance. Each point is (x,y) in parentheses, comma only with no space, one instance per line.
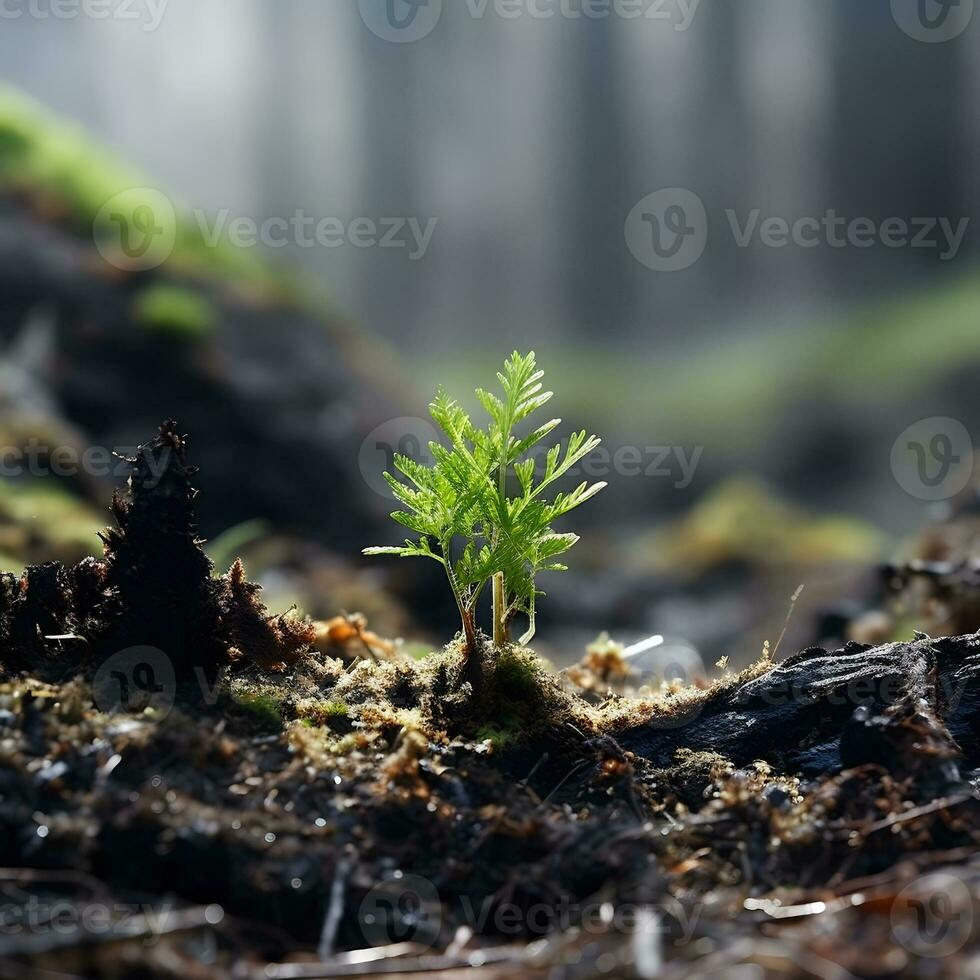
(40,520)
(265,707)
(174,312)
(743,520)
(334,715)
(70,178)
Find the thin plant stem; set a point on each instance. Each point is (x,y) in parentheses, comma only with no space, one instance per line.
(499,612)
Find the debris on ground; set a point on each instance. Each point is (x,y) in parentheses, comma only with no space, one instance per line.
(192,786)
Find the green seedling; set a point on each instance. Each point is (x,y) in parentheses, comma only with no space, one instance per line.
(461,509)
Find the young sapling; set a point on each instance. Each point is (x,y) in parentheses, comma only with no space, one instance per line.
(461,509)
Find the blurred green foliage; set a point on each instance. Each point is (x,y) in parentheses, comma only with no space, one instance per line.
(41,520)
(174,312)
(729,393)
(70,178)
(742,520)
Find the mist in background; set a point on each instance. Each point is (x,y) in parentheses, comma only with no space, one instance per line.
(530,139)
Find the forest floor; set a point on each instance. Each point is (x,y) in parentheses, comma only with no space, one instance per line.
(191,787)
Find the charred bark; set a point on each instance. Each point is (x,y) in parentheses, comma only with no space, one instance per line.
(910,708)
(153,588)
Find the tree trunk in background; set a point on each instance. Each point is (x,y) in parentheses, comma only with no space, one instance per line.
(530,140)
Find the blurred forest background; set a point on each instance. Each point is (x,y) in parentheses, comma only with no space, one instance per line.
(788,373)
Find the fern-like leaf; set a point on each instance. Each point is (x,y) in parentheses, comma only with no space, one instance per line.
(463,496)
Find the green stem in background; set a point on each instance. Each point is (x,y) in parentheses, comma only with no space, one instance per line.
(500,637)
(499,594)
(531,627)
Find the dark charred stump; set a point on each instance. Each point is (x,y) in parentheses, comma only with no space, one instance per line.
(153,588)
(157,579)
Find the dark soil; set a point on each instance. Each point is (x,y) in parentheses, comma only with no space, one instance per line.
(193,787)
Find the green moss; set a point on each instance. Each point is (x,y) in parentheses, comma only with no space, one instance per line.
(54,158)
(516,674)
(40,521)
(520,701)
(58,165)
(324,714)
(743,520)
(174,312)
(263,706)
(500,739)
